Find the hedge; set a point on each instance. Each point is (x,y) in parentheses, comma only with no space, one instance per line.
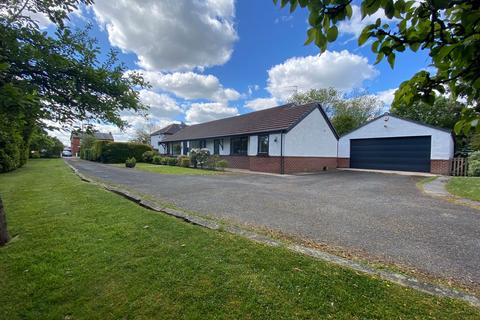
(117,152)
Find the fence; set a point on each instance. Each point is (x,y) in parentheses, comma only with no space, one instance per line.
(459,166)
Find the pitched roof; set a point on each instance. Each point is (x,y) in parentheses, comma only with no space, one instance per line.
(281,118)
(97,135)
(401,118)
(170,129)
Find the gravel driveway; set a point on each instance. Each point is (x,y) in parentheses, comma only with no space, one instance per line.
(383,215)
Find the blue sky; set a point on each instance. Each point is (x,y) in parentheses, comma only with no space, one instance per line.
(218,58)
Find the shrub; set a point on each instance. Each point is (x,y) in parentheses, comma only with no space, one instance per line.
(118,152)
(184,162)
(147,156)
(474,156)
(222,164)
(474,168)
(199,157)
(164,161)
(157,160)
(130,163)
(172,161)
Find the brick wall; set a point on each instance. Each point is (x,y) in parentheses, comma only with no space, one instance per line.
(344,162)
(440,166)
(308,164)
(238,162)
(75,145)
(265,164)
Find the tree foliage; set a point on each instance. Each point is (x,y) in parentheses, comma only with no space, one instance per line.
(444,112)
(448,29)
(44,145)
(346,113)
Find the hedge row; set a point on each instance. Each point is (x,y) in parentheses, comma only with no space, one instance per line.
(114,152)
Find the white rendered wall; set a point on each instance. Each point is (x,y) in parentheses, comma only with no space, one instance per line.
(252,145)
(226,147)
(312,137)
(442,141)
(154,140)
(274,147)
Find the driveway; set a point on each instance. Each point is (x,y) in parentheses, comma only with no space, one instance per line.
(382,215)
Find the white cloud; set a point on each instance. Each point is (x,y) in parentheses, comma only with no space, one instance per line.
(342,70)
(386,96)
(355,25)
(161,105)
(203,112)
(191,85)
(171,34)
(261,103)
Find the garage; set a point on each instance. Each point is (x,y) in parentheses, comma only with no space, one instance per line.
(403,153)
(389,142)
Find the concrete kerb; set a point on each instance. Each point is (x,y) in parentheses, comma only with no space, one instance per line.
(391,276)
(437,188)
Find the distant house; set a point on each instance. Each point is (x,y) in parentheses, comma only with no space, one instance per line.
(300,138)
(76,138)
(158,136)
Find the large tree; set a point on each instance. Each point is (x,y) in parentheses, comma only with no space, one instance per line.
(449,30)
(346,113)
(55,77)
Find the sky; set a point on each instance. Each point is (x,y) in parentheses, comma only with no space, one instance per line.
(211,59)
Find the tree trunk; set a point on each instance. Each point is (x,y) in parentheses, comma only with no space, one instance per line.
(4,238)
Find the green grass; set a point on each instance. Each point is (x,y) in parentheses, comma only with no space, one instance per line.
(169,169)
(84,253)
(465,187)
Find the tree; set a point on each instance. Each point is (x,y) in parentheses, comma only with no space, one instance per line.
(448,29)
(58,78)
(345,113)
(142,135)
(444,112)
(44,145)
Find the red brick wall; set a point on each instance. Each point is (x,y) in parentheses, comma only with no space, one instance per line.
(308,164)
(265,164)
(440,166)
(344,162)
(238,162)
(75,145)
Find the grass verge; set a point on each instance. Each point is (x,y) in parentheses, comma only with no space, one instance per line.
(169,169)
(85,253)
(465,187)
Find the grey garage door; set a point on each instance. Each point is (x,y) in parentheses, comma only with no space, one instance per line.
(403,154)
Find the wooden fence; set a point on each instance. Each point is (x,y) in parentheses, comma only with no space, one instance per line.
(459,166)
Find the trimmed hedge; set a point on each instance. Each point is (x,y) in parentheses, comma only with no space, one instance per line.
(115,152)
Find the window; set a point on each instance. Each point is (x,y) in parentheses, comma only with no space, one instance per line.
(176,148)
(239,146)
(263,144)
(216,146)
(198,144)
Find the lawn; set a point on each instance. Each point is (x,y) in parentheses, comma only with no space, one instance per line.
(466,187)
(169,169)
(84,253)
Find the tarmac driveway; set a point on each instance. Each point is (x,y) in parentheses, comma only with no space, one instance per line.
(383,215)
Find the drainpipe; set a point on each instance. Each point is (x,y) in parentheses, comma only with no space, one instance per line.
(282,160)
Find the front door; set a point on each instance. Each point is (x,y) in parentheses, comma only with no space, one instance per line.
(216,146)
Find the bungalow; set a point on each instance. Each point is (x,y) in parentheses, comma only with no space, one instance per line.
(300,138)
(158,136)
(285,139)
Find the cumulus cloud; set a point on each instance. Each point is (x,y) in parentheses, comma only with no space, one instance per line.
(355,25)
(161,105)
(342,70)
(171,34)
(203,112)
(386,96)
(261,103)
(191,85)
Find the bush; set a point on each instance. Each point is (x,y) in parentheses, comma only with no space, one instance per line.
(172,161)
(184,162)
(222,164)
(130,163)
(474,168)
(164,161)
(199,157)
(475,156)
(118,152)
(157,160)
(147,156)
